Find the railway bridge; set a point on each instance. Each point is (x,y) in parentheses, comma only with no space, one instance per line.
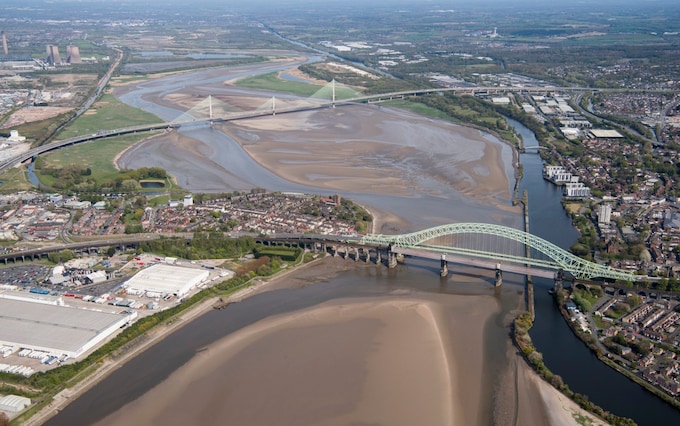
(481,245)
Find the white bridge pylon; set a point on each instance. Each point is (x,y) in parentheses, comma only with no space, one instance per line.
(278,104)
(213,108)
(207,109)
(553,257)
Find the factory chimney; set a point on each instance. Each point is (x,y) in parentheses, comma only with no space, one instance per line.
(4,43)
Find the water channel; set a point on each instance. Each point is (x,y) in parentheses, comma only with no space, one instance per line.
(563,353)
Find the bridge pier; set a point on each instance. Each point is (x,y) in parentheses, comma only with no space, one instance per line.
(367,252)
(499,276)
(559,277)
(391,258)
(530,297)
(444,271)
(378,259)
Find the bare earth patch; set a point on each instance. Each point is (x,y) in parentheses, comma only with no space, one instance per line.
(33,113)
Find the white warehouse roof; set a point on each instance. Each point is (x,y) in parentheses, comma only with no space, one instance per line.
(14,403)
(167,279)
(55,329)
(602,133)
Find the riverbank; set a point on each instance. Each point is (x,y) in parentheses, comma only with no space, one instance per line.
(614,361)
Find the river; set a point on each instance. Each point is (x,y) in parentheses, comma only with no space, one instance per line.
(563,353)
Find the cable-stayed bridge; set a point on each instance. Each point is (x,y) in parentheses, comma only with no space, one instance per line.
(212,110)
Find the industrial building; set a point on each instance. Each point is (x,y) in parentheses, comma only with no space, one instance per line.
(604,214)
(605,134)
(14,403)
(54,329)
(163,279)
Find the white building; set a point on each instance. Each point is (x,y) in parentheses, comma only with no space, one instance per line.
(501,100)
(576,190)
(165,279)
(97,277)
(605,134)
(604,213)
(14,403)
(188,200)
(58,330)
(14,137)
(78,205)
(557,174)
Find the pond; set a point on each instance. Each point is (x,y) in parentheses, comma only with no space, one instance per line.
(152,184)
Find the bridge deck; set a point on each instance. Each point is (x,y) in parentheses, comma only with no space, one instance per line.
(479,263)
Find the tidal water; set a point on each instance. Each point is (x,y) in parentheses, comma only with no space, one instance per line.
(563,353)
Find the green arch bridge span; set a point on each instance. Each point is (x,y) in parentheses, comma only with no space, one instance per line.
(500,244)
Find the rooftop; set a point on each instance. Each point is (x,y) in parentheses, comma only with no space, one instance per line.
(49,327)
(166,279)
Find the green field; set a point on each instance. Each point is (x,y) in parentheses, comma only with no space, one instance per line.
(421,109)
(97,155)
(107,113)
(272,82)
(14,180)
(288,254)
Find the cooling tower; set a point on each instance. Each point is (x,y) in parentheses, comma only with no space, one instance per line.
(73,55)
(53,57)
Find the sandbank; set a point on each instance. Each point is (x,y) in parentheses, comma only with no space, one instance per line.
(383,361)
(374,149)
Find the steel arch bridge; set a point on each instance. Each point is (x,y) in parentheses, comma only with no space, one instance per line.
(556,257)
